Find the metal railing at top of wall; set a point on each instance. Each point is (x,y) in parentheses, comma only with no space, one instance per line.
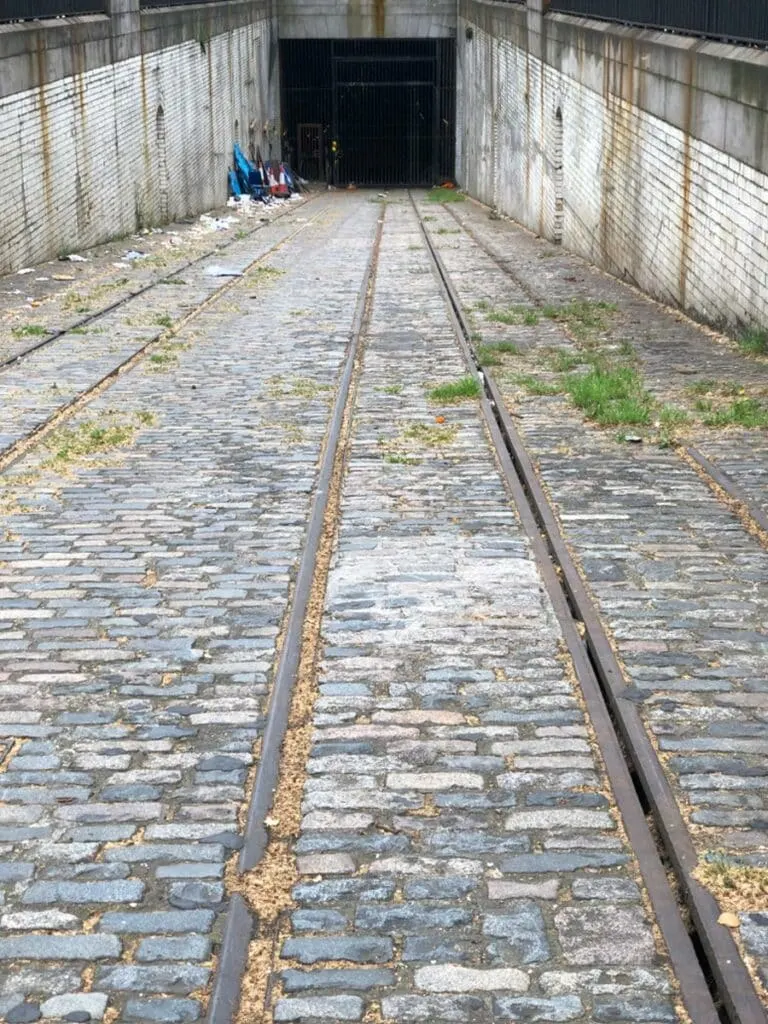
(714,19)
(35,10)
(29,10)
(174,3)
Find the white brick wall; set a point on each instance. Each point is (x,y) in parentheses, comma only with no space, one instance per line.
(80,158)
(685,221)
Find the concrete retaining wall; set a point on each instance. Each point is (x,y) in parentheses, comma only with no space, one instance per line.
(112,123)
(645,152)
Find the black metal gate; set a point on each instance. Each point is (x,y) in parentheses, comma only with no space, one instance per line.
(381,111)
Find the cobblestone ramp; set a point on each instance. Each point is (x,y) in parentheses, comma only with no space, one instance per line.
(36,387)
(141,595)
(681,585)
(460,858)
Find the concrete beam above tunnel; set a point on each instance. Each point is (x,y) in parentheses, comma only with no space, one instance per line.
(367,19)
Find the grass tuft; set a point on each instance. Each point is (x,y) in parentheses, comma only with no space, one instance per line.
(429,436)
(445,195)
(537,386)
(93,438)
(515,316)
(457,391)
(488,355)
(743,412)
(610,397)
(754,341)
(583,317)
(672,416)
(563,361)
(29,331)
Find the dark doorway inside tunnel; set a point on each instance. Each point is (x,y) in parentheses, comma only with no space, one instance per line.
(368,112)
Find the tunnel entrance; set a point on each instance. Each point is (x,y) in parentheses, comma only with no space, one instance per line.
(369,111)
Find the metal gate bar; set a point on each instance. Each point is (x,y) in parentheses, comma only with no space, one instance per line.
(385,108)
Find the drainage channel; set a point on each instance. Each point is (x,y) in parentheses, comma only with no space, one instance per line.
(714,983)
(299,642)
(18,448)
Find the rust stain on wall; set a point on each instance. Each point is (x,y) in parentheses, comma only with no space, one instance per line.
(606,178)
(82,157)
(147,183)
(685,207)
(543,149)
(618,152)
(354,19)
(527,128)
(379,17)
(45,127)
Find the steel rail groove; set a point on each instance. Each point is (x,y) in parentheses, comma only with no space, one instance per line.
(239,924)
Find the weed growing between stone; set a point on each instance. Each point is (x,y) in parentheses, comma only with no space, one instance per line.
(513,315)
(742,412)
(445,195)
(610,397)
(754,342)
(93,438)
(490,355)
(602,377)
(536,385)
(736,887)
(407,448)
(76,303)
(430,437)
(456,391)
(29,331)
(297,387)
(583,318)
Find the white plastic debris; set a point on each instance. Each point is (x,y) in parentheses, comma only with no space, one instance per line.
(75,258)
(26,270)
(216,223)
(217,271)
(134,254)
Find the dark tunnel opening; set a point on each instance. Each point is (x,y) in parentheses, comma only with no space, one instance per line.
(369,112)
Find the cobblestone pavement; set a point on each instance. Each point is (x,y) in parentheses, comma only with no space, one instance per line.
(39,300)
(460,858)
(680,583)
(678,357)
(142,588)
(36,387)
